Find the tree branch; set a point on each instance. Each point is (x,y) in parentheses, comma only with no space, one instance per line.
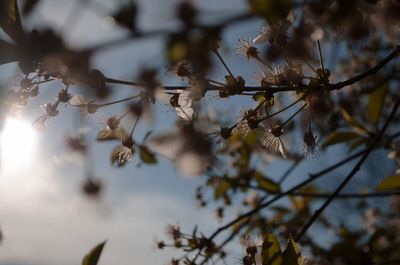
(371,71)
(355,169)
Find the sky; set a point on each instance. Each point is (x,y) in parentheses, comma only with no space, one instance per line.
(43,216)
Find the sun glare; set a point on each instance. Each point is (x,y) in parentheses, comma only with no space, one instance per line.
(17,143)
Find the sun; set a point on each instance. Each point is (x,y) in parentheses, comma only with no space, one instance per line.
(18,144)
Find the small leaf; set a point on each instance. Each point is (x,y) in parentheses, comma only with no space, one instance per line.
(147,156)
(339,137)
(270,101)
(93,256)
(221,188)
(258,96)
(271,251)
(389,183)
(177,50)
(266,183)
(250,139)
(292,255)
(295,203)
(353,123)
(375,102)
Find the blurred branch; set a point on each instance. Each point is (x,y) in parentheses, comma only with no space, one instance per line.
(161,32)
(285,193)
(355,169)
(371,71)
(282,88)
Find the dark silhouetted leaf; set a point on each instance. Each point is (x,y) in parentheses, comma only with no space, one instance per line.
(29,6)
(258,96)
(375,103)
(357,143)
(93,256)
(147,156)
(265,183)
(291,255)
(339,137)
(353,123)
(389,183)
(271,251)
(126,16)
(221,188)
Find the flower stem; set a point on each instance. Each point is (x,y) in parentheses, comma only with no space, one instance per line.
(294,115)
(281,110)
(225,65)
(321,60)
(119,101)
(135,124)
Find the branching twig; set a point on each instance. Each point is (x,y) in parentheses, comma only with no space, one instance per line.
(355,169)
(271,201)
(371,71)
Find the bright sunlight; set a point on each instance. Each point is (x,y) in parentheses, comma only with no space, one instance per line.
(17,143)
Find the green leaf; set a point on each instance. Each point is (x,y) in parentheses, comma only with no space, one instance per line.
(250,139)
(147,156)
(10,21)
(265,183)
(389,183)
(291,255)
(357,126)
(221,187)
(258,96)
(93,256)
(339,137)
(375,102)
(271,251)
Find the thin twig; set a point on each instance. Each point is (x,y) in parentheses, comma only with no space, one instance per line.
(224,64)
(371,71)
(283,88)
(271,201)
(355,169)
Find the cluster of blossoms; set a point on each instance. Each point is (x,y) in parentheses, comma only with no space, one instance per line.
(186,242)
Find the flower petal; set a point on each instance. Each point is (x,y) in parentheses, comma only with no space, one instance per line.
(78,101)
